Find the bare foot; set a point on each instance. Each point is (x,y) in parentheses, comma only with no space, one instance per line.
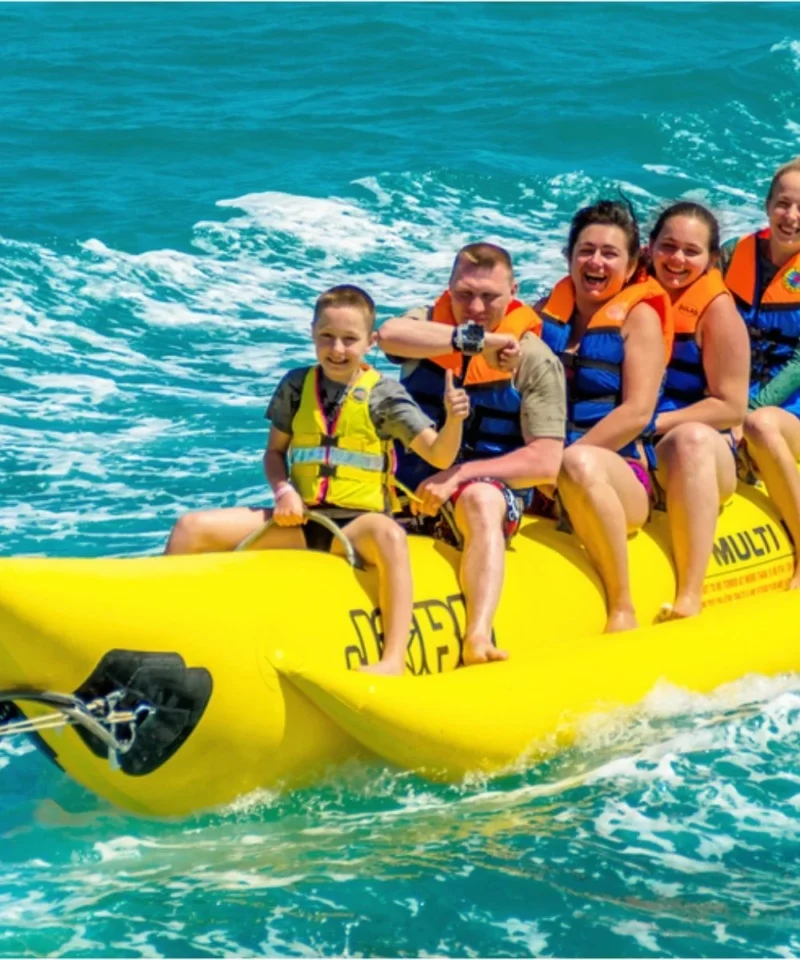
(620,620)
(386,668)
(481,650)
(682,608)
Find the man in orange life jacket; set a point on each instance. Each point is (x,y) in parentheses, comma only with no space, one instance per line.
(514,437)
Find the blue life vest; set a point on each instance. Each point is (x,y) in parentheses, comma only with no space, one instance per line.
(493,425)
(685,382)
(594,370)
(770,310)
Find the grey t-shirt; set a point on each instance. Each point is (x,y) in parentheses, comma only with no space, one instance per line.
(393,412)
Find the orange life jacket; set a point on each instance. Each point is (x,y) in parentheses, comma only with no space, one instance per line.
(493,426)
(770,310)
(519,319)
(686,379)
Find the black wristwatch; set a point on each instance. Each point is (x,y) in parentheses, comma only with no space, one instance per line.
(468,338)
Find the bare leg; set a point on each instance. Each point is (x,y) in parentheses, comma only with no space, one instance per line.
(383,544)
(698,472)
(773,441)
(218,531)
(605,502)
(479,514)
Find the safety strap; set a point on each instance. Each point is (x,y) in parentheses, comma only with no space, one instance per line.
(571,361)
(773,336)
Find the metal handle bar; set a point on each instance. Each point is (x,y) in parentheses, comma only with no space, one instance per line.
(311,516)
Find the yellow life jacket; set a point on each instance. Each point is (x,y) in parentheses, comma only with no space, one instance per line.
(341,463)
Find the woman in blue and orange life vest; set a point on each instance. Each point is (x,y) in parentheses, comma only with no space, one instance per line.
(705,392)
(762,271)
(612,328)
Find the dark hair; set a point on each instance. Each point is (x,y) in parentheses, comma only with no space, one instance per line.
(688,208)
(607,213)
(346,295)
(793,166)
(483,255)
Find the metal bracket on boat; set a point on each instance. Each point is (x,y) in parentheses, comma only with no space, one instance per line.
(313,517)
(115,728)
(136,709)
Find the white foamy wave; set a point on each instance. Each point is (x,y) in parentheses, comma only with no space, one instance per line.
(792,47)
(700,720)
(523,933)
(642,933)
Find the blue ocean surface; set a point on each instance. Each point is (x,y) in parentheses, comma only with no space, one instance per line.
(179,182)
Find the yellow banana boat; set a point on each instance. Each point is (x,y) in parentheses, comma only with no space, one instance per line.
(171,684)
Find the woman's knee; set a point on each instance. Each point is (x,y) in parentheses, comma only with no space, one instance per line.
(762,427)
(579,468)
(687,445)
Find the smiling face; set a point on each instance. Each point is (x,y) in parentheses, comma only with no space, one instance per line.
(342,336)
(481,294)
(680,253)
(783,210)
(600,265)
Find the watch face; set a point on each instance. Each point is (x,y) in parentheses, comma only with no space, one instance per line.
(472,337)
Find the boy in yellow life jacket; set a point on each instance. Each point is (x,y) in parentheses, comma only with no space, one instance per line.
(330,448)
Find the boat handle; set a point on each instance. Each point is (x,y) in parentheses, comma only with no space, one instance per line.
(312,517)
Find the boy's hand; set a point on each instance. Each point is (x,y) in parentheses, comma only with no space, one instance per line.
(456,400)
(288,510)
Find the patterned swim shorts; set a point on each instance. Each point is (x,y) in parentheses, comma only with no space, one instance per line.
(444,524)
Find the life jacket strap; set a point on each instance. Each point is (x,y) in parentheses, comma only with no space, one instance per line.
(773,336)
(685,366)
(332,456)
(673,392)
(572,361)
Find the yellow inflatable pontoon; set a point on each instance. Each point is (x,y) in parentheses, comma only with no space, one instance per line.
(171,684)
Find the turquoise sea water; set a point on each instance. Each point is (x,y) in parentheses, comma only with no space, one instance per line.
(178,183)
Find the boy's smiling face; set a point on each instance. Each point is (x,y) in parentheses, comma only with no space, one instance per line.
(342,336)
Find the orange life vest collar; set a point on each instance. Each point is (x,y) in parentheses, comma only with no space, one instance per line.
(741,274)
(560,307)
(519,319)
(695,300)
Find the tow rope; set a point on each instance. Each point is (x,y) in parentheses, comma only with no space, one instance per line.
(115,728)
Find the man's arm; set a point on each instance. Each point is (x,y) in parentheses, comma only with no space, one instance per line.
(540,380)
(536,463)
(406,338)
